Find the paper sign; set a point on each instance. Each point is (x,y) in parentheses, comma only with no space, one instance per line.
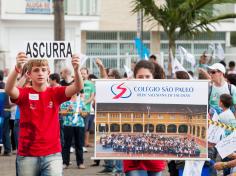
(49,49)
(215,134)
(193,168)
(227,146)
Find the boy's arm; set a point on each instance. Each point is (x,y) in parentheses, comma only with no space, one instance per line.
(10,87)
(78,83)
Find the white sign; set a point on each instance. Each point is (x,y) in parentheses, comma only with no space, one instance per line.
(215,134)
(193,168)
(51,49)
(227,146)
(38,6)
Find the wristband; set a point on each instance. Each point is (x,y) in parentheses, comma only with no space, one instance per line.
(224,165)
(17,70)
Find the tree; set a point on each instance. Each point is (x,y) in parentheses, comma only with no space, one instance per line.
(59,29)
(181,17)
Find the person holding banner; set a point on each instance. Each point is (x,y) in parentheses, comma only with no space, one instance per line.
(39,150)
(144,70)
(230,164)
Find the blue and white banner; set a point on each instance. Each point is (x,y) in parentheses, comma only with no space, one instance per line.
(152,91)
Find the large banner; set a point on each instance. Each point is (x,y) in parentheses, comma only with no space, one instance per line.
(151,119)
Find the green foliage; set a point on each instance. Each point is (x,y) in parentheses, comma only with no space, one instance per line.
(188,17)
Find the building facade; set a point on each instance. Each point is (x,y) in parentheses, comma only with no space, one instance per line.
(99,28)
(32,20)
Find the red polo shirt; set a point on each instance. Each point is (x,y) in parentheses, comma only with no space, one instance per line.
(148,165)
(39,124)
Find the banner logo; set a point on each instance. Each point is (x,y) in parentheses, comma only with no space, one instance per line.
(120,91)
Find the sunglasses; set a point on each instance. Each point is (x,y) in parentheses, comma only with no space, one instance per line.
(213,71)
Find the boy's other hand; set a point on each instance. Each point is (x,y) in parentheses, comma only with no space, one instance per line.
(21,59)
(75,62)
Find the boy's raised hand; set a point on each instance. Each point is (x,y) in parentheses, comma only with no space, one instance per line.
(75,61)
(21,59)
(99,62)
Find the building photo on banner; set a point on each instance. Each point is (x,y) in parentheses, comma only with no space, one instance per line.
(147,119)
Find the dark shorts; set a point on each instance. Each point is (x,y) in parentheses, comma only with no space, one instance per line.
(89,123)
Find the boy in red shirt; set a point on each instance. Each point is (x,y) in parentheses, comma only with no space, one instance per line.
(39,139)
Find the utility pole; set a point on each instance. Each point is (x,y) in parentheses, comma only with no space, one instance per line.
(59,30)
(148,109)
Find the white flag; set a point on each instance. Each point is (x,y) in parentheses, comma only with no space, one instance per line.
(220,54)
(184,54)
(83,59)
(177,66)
(128,72)
(211,49)
(193,168)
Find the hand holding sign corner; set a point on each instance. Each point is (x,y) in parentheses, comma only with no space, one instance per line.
(21,59)
(75,62)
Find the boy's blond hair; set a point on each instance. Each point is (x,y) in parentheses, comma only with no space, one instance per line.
(37,63)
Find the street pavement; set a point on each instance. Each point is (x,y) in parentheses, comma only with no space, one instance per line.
(7,166)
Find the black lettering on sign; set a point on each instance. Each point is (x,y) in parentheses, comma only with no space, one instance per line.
(35,50)
(55,49)
(28,50)
(41,47)
(49,49)
(69,52)
(62,49)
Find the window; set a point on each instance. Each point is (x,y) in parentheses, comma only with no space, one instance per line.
(198,131)
(203,135)
(171,128)
(126,127)
(103,128)
(149,127)
(125,115)
(114,115)
(138,115)
(115,128)
(138,128)
(160,128)
(183,129)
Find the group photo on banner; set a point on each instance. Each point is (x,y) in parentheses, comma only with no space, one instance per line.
(147,119)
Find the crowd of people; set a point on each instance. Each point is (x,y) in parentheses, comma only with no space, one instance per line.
(151,144)
(53,112)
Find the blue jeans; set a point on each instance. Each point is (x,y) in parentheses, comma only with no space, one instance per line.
(16,131)
(143,173)
(108,165)
(1,125)
(6,132)
(118,166)
(50,165)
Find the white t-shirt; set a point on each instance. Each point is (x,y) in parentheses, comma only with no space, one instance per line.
(226,117)
(218,91)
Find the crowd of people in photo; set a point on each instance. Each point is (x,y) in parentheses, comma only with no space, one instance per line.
(151,144)
(66,108)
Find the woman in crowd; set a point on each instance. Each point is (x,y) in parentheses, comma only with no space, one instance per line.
(144,70)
